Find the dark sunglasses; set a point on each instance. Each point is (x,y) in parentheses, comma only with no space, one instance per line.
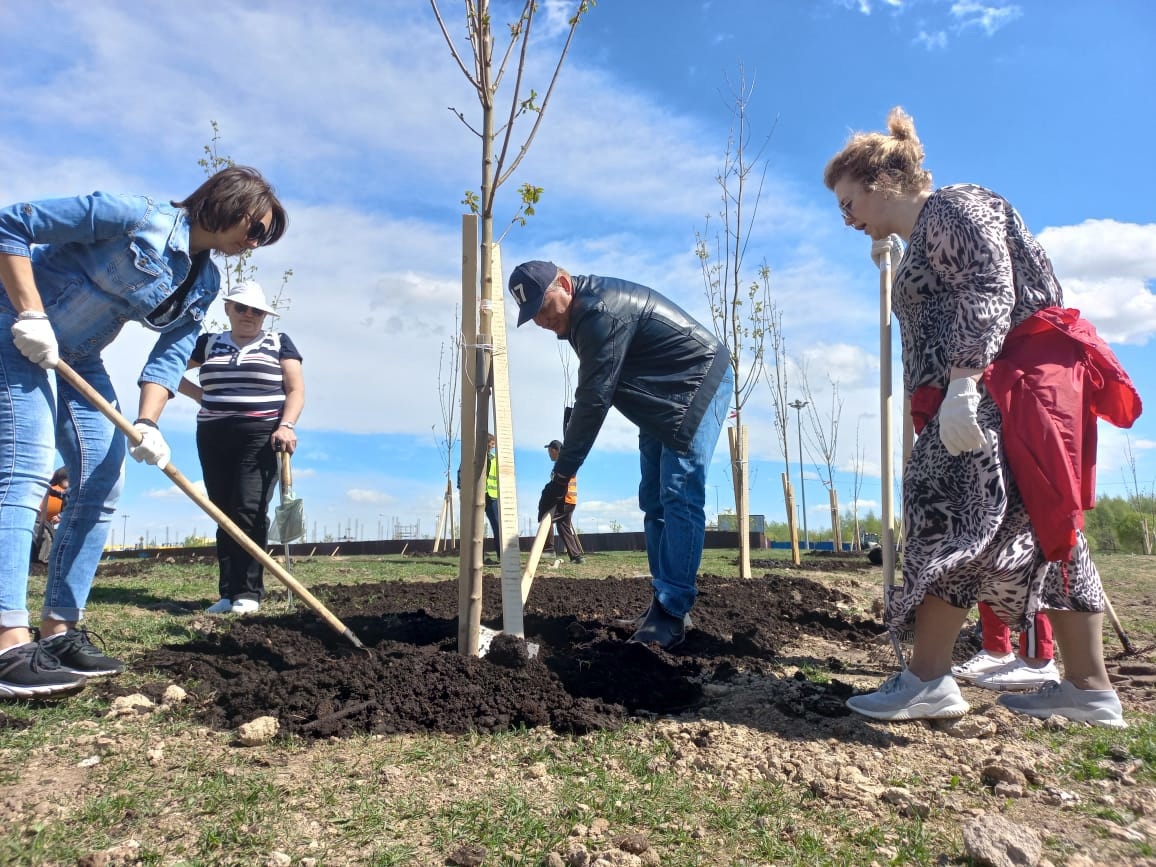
(845,209)
(257,231)
(245,309)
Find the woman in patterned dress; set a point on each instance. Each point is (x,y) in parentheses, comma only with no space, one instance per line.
(971,273)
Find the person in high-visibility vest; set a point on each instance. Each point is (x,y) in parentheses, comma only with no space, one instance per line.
(492,496)
(566,537)
(49,515)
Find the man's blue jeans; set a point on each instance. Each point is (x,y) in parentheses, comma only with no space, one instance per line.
(672,496)
(34,424)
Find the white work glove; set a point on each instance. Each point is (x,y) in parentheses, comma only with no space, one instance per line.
(879,249)
(152,448)
(36,340)
(958,426)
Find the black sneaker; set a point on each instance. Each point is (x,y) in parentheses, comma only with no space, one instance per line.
(78,654)
(578,559)
(28,671)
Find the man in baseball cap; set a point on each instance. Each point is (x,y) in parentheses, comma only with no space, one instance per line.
(641,353)
(528,285)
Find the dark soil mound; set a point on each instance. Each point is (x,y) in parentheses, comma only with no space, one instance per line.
(584,676)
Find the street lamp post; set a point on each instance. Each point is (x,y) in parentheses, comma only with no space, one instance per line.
(798,405)
(124,532)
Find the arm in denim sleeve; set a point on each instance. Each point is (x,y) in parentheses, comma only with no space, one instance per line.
(169,357)
(81,219)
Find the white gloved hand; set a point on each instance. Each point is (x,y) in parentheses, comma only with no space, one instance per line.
(959,428)
(36,341)
(152,448)
(880,248)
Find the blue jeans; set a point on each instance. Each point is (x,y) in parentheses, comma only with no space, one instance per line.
(672,496)
(34,424)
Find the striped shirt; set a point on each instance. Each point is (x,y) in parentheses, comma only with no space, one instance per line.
(242,381)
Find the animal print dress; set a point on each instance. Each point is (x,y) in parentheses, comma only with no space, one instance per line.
(970,274)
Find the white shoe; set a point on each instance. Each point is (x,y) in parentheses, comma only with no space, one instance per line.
(1100,707)
(982,663)
(1019,676)
(245,606)
(904,696)
(221,606)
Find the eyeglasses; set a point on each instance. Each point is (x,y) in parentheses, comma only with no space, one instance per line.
(245,309)
(258,231)
(845,210)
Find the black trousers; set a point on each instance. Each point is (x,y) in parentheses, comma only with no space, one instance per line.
(240,470)
(495,523)
(565,532)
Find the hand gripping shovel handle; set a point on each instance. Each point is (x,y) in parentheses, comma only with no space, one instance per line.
(110,412)
(286,476)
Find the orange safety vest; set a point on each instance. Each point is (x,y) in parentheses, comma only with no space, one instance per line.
(53,503)
(572,492)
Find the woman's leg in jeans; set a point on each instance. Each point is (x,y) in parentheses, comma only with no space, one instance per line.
(27,453)
(93,451)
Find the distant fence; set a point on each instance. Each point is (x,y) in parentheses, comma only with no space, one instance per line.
(591,542)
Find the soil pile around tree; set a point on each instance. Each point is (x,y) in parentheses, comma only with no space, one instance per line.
(584,675)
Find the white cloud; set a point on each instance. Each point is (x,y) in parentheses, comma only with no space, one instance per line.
(931,41)
(1107,268)
(989,19)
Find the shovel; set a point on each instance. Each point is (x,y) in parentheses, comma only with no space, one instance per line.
(289,518)
(65,372)
(487,635)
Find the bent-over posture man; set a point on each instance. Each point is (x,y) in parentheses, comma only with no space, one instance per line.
(643,355)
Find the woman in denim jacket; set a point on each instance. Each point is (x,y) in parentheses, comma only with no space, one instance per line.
(98,262)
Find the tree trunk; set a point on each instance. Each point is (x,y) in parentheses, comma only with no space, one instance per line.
(836,527)
(737,436)
(792,524)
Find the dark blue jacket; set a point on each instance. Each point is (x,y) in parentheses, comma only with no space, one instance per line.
(642,354)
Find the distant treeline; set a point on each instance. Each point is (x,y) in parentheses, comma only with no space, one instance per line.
(1117,525)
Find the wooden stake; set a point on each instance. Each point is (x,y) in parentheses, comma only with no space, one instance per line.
(470,558)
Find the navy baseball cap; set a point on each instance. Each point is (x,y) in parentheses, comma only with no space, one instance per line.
(554,444)
(528,285)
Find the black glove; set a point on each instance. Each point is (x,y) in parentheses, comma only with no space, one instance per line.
(552,495)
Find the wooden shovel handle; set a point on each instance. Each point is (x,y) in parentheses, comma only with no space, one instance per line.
(286,474)
(65,372)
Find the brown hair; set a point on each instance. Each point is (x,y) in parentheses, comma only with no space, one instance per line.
(888,163)
(231,196)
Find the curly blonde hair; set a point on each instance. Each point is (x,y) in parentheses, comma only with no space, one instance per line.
(891,163)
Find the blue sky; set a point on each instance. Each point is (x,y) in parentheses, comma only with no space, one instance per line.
(345,107)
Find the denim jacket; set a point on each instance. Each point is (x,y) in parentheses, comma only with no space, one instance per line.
(103,260)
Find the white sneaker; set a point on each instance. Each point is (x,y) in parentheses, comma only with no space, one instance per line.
(221,606)
(245,606)
(1019,676)
(904,696)
(1100,707)
(982,663)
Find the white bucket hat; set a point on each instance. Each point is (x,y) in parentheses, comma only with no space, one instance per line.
(250,294)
